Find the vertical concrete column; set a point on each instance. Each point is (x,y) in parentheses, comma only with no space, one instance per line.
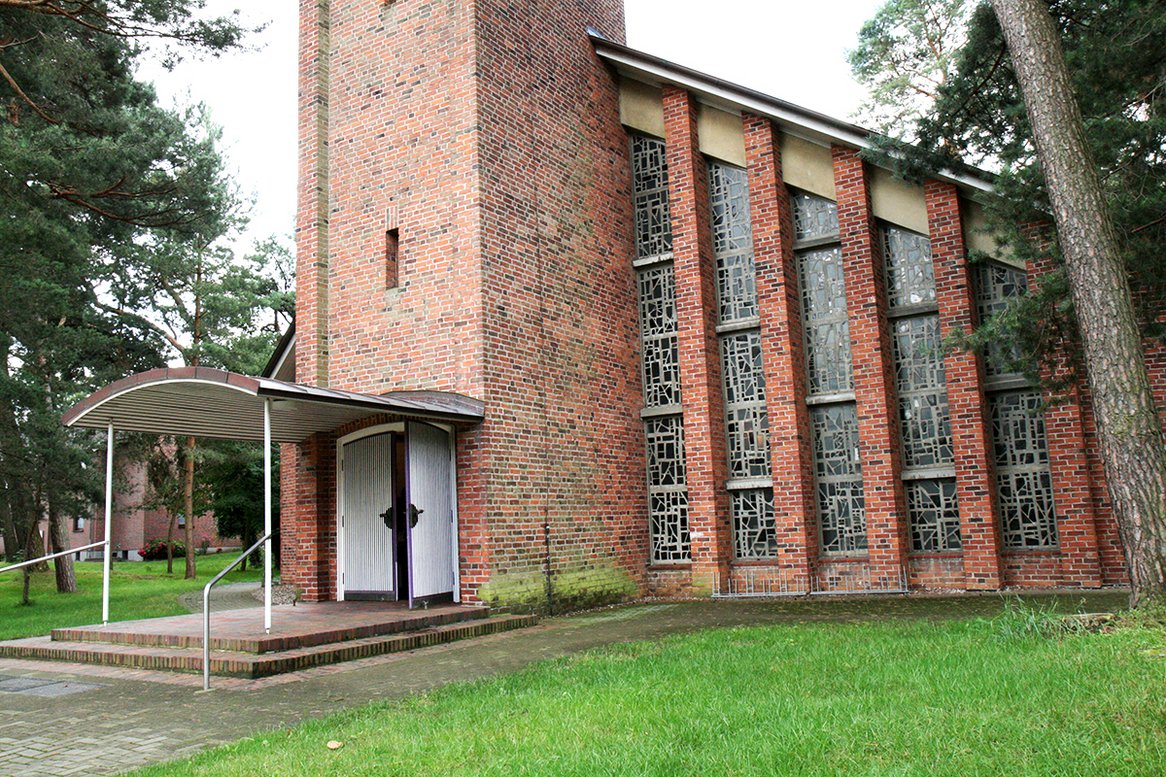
(700,368)
(1073,498)
(312,196)
(870,348)
(781,350)
(967,406)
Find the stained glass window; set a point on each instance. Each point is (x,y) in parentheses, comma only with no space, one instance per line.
(661,366)
(754,532)
(814,217)
(910,275)
(667,484)
(924,424)
(650,195)
(746,419)
(827,328)
(935,516)
(996,284)
(839,478)
(1023,480)
(732,242)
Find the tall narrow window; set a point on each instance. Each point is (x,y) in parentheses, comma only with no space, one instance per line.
(928,457)
(664,424)
(1023,479)
(746,419)
(392,256)
(833,414)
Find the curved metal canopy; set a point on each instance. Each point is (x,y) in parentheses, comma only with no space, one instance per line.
(206,402)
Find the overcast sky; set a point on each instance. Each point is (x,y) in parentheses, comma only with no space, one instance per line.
(795,51)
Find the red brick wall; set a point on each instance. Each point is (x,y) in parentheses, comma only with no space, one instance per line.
(700,365)
(967,406)
(779,302)
(878,412)
(488,134)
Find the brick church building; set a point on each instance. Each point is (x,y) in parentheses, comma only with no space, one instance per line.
(692,338)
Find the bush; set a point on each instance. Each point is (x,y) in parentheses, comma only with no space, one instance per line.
(155,550)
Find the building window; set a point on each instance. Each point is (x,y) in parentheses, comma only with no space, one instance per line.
(392,258)
(924,424)
(743,379)
(664,424)
(1024,484)
(830,389)
(78,523)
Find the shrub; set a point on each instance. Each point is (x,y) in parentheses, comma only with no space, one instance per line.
(155,550)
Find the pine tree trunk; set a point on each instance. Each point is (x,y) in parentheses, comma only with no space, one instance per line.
(1129,430)
(188,506)
(63,565)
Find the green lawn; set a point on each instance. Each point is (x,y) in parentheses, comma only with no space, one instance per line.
(881,698)
(137,589)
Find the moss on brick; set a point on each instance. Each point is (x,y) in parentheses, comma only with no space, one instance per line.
(571,589)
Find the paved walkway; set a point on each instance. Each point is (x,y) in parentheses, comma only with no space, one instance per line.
(58,719)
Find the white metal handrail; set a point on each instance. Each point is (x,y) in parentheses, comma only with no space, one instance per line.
(206,609)
(68,552)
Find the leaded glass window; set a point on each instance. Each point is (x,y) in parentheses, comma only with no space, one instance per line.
(829,374)
(747,420)
(925,425)
(1023,480)
(839,478)
(732,242)
(996,285)
(910,275)
(814,217)
(650,196)
(667,482)
(660,360)
(667,494)
(754,532)
(935,515)
(1024,483)
(827,328)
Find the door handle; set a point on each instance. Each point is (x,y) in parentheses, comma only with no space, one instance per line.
(414,514)
(387,517)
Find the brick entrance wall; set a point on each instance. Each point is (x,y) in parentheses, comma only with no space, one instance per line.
(486,136)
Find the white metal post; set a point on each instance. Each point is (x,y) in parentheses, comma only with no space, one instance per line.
(267,515)
(108,524)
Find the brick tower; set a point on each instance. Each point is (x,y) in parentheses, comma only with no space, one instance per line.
(464,226)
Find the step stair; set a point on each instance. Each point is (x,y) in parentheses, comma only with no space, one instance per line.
(263,655)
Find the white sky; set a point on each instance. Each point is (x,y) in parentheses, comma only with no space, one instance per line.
(792,50)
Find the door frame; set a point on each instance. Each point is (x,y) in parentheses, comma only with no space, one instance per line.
(341,547)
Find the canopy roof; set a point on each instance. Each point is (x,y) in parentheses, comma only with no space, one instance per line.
(204,402)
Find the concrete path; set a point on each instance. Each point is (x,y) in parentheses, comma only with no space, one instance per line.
(58,719)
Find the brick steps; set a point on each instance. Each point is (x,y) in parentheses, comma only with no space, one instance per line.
(266,643)
(252,664)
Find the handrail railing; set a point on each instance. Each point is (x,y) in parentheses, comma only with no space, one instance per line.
(68,552)
(206,610)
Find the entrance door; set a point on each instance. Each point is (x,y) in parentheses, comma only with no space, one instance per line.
(367,467)
(429,514)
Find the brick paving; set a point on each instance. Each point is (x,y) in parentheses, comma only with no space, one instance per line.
(135,717)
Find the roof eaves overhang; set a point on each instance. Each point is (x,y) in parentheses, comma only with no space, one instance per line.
(212,403)
(811,125)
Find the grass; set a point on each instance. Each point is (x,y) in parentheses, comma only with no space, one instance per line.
(897,697)
(138,589)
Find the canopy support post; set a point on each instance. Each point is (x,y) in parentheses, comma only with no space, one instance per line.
(108,525)
(267,515)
